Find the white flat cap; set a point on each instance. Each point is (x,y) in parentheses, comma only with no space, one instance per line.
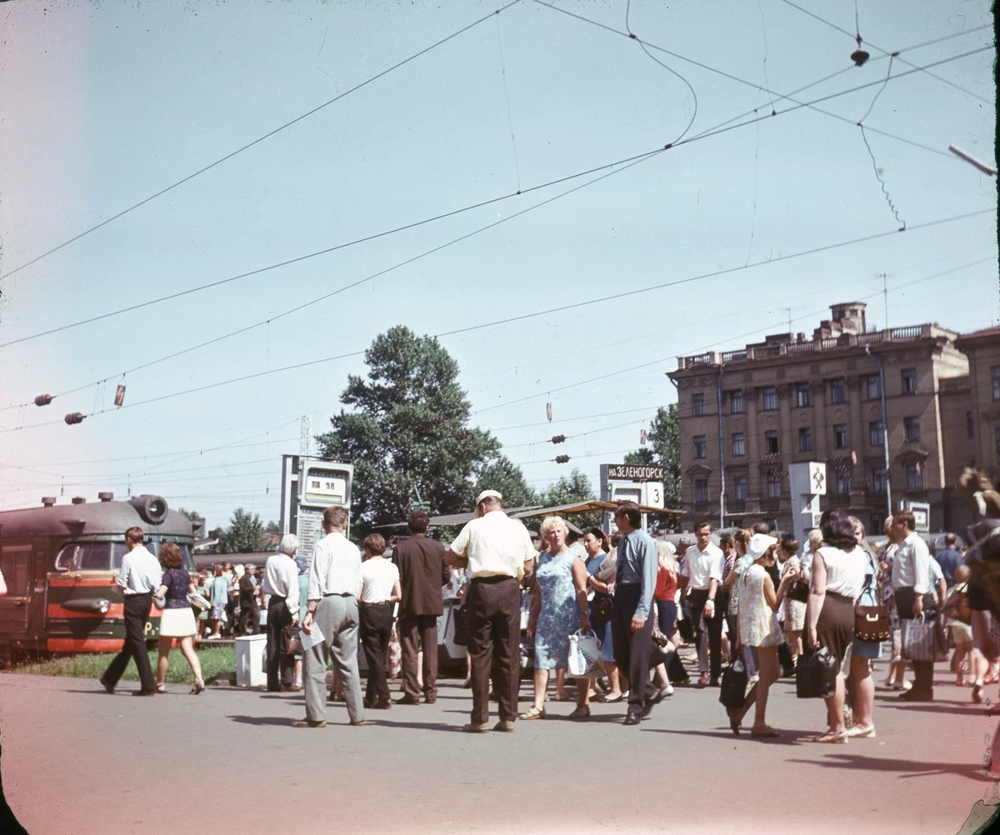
(488,494)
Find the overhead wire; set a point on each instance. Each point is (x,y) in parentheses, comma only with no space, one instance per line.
(638,157)
(260,139)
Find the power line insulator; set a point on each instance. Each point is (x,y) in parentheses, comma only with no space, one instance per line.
(75,417)
(558,439)
(43,400)
(562,459)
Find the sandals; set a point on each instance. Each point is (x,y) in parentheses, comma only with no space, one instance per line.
(161,688)
(764,733)
(833,737)
(861,732)
(608,700)
(534,713)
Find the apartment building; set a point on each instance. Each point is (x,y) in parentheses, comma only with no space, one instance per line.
(751,412)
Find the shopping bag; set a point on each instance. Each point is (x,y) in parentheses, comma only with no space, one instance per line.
(733,688)
(816,675)
(584,656)
(394,658)
(921,638)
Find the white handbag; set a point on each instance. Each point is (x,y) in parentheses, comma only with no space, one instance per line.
(584,656)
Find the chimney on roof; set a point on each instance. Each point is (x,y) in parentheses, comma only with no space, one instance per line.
(79,500)
(105,497)
(48,501)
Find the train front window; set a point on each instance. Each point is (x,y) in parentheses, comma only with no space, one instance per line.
(84,556)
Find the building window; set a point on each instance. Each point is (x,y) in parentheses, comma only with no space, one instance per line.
(876,433)
(837,391)
(701,490)
(914,476)
(773,486)
(700,447)
(736,402)
(771,441)
(880,479)
(771,399)
(843,482)
(805,439)
(739,448)
(970,425)
(740,487)
(697,404)
(840,436)
(996,382)
(803,395)
(873,387)
(909,381)
(912,427)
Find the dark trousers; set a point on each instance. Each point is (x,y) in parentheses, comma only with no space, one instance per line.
(494,606)
(633,650)
(713,626)
(279,666)
(923,671)
(666,616)
(426,626)
(249,619)
(375,620)
(136,614)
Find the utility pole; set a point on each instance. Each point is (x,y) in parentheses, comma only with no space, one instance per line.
(305,437)
(885,429)
(885,297)
(788,310)
(722,456)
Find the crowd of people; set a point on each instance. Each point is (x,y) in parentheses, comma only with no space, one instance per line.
(753,597)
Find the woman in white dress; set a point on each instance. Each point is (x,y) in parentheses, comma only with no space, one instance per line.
(759,628)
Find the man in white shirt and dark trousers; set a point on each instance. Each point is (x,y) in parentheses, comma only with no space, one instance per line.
(912,589)
(281,582)
(632,614)
(139,577)
(333,609)
(496,552)
(702,576)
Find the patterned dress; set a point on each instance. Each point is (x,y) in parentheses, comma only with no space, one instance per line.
(758,623)
(603,632)
(559,615)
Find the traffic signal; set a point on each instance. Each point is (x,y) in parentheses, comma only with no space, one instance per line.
(562,459)
(558,439)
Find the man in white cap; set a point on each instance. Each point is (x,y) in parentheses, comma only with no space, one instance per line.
(496,551)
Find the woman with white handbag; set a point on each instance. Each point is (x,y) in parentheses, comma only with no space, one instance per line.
(558,610)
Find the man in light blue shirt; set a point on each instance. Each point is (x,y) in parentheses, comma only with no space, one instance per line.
(632,616)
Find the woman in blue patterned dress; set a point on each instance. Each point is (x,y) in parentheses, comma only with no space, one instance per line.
(598,547)
(558,610)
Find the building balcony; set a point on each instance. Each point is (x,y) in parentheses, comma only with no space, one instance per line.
(875,498)
(838,499)
(736,505)
(770,504)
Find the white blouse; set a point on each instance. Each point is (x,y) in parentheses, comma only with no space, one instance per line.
(845,570)
(378,576)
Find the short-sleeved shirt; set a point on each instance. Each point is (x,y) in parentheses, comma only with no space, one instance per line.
(702,566)
(495,545)
(177,581)
(140,572)
(666,585)
(378,576)
(949,559)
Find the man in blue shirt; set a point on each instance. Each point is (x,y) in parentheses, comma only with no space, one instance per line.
(949,559)
(632,616)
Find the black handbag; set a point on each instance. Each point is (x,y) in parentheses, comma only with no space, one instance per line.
(461,634)
(799,590)
(733,687)
(816,675)
(291,641)
(603,606)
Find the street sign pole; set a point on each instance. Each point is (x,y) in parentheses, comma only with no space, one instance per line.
(806,482)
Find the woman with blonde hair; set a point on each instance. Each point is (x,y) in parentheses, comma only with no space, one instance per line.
(666,606)
(177,619)
(859,678)
(558,609)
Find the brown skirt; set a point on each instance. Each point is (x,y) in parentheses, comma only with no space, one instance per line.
(835,626)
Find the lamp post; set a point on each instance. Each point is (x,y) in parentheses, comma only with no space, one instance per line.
(885,428)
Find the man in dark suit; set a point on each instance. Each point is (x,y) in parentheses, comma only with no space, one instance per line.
(422,572)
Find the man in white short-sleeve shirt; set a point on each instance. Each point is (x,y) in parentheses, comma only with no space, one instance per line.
(496,550)
(702,575)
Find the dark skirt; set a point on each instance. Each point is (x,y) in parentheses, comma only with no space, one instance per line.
(835,627)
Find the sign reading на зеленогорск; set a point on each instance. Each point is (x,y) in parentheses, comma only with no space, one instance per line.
(636,472)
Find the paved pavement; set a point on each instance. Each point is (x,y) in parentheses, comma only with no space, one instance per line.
(76,760)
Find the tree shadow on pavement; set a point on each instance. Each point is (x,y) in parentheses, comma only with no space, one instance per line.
(907,768)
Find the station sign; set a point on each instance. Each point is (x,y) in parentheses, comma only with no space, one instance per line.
(636,472)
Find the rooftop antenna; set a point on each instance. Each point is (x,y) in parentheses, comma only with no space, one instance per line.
(885,297)
(788,310)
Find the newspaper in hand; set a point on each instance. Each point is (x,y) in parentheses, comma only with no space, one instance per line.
(313,637)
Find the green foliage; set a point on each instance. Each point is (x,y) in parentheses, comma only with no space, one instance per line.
(665,450)
(575,488)
(245,533)
(503,475)
(408,434)
(192,515)
(216,662)
(272,527)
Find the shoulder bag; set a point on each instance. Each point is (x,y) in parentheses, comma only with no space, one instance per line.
(871,623)
(291,641)
(816,675)
(957,607)
(603,606)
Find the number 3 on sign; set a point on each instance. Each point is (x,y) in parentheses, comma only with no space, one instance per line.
(654,495)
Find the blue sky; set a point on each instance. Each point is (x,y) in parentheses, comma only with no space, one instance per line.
(105,104)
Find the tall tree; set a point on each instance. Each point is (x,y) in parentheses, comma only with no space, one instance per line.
(408,433)
(575,488)
(244,534)
(503,475)
(664,450)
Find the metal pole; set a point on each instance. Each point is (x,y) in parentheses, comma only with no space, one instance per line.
(722,456)
(885,428)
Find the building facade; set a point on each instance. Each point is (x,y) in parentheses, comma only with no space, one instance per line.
(983,350)
(747,414)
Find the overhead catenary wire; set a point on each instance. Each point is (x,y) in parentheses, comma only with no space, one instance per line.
(638,157)
(260,139)
(576,305)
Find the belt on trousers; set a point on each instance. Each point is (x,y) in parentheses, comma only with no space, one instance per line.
(339,594)
(492,578)
(379,603)
(278,597)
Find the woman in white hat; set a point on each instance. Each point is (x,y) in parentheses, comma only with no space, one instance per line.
(759,628)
